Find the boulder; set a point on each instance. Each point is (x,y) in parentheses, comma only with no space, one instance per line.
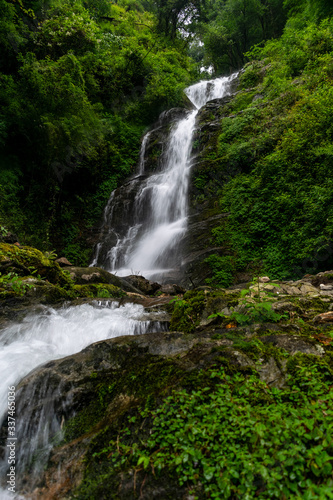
(145,286)
(9,237)
(63,262)
(172,289)
(326,317)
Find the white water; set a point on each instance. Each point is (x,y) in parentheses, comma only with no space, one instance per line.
(50,335)
(151,245)
(57,333)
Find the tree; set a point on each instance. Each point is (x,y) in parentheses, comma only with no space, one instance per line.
(176,15)
(235,25)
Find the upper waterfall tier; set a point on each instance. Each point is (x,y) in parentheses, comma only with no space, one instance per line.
(146,219)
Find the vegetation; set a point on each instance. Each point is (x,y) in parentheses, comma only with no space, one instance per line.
(274,154)
(232,27)
(79,83)
(235,437)
(207,423)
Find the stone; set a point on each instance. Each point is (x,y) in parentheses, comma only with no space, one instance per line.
(292,290)
(307,289)
(172,289)
(269,288)
(325,278)
(325,287)
(63,262)
(264,279)
(326,317)
(284,306)
(91,275)
(292,344)
(272,374)
(145,286)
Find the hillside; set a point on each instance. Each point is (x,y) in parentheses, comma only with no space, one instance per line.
(268,167)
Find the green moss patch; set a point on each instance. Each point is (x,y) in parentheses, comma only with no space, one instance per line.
(99,291)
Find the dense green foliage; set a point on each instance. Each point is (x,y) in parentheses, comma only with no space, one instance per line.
(233,26)
(233,437)
(79,82)
(277,137)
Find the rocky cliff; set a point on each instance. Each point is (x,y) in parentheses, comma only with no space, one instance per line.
(190,268)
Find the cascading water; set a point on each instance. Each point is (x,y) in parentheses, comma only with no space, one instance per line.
(151,244)
(39,338)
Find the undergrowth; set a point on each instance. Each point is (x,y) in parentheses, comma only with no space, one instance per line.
(235,437)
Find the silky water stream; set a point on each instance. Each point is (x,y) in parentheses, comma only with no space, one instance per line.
(150,245)
(48,335)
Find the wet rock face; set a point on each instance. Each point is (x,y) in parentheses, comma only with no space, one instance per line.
(123,218)
(128,213)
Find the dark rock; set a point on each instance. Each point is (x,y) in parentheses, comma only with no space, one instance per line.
(91,275)
(145,286)
(172,289)
(88,275)
(9,238)
(324,278)
(293,344)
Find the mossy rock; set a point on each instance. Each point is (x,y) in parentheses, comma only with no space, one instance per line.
(187,311)
(28,261)
(99,290)
(47,293)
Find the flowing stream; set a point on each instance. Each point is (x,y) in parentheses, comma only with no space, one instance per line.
(151,243)
(48,335)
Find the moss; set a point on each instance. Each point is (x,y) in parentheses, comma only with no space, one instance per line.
(28,261)
(52,294)
(99,290)
(187,312)
(252,75)
(323,364)
(148,378)
(216,301)
(242,100)
(142,380)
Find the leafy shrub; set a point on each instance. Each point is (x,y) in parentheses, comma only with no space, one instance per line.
(187,311)
(222,270)
(223,442)
(279,198)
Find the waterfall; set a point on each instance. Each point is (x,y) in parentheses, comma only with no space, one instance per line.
(39,338)
(157,216)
